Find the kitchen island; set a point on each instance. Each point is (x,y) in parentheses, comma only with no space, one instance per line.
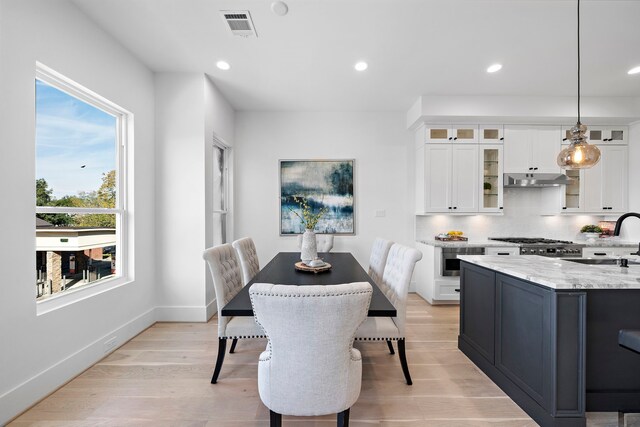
(545,330)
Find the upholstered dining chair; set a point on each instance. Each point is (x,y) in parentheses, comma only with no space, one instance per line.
(378,259)
(395,285)
(324,242)
(310,367)
(227,282)
(246,251)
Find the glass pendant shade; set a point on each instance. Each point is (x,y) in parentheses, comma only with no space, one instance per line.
(579,154)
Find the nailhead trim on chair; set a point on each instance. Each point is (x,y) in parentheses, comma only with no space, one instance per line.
(309,295)
(243,337)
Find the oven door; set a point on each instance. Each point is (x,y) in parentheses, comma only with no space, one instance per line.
(450,261)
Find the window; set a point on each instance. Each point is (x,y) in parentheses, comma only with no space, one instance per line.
(220,193)
(80,186)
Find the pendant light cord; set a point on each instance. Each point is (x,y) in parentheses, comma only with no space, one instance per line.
(578,61)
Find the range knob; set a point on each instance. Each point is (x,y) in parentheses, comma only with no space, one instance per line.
(562,251)
(542,251)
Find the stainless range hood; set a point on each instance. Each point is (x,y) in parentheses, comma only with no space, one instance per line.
(535,180)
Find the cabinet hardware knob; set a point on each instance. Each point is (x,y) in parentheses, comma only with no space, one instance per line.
(503,253)
(600,253)
(450,138)
(502,139)
(455,138)
(564,207)
(530,168)
(564,139)
(501,207)
(449,207)
(535,169)
(455,207)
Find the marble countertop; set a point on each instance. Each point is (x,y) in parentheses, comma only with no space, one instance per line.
(468,244)
(608,242)
(557,273)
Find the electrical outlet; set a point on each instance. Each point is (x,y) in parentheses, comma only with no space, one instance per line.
(381,213)
(110,344)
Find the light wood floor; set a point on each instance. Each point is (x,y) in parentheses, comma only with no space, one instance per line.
(161,378)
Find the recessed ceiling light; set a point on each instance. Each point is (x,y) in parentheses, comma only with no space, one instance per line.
(361,66)
(223,65)
(634,70)
(280,8)
(493,68)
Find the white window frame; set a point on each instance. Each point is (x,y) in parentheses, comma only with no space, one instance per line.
(217,143)
(124,136)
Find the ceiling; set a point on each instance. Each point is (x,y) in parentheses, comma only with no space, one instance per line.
(304,60)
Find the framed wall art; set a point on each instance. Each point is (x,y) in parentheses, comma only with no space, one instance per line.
(320,184)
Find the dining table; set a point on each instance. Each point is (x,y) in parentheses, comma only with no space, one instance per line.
(281,270)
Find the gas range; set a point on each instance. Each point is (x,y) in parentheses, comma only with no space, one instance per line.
(544,247)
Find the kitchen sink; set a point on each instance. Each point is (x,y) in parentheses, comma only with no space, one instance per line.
(599,261)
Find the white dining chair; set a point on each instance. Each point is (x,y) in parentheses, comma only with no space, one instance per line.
(378,259)
(246,251)
(310,367)
(227,282)
(398,270)
(324,242)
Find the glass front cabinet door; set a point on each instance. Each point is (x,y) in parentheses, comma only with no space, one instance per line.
(491,169)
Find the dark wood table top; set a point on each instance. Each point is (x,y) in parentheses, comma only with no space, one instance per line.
(281,271)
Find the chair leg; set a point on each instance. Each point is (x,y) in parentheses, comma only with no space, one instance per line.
(343,418)
(275,420)
(390,344)
(233,345)
(403,361)
(222,346)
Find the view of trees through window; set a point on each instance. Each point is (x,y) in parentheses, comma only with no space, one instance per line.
(76,191)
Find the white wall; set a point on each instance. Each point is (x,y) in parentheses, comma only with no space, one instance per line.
(377,141)
(40,353)
(189,110)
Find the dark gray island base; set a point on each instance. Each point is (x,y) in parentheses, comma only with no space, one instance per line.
(553,351)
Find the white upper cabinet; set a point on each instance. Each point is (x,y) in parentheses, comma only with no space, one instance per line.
(450,178)
(531,149)
(491,177)
(614,178)
(464,181)
(451,134)
(491,134)
(602,189)
(600,135)
(437,178)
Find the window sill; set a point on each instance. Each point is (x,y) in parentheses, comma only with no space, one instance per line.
(74,295)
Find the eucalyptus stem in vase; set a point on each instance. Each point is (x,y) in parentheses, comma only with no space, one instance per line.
(308,248)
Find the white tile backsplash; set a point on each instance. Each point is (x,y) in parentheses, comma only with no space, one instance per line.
(522,218)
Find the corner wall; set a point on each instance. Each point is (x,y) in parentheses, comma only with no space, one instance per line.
(40,353)
(189,111)
(377,141)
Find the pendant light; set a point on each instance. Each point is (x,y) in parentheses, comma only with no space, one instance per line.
(579,154)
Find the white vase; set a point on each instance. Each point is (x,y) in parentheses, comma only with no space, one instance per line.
(308,250)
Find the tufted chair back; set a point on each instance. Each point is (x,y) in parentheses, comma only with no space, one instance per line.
(227,278)
(396,279)
(378,259)
(324,242)
(248,255)
(310,366)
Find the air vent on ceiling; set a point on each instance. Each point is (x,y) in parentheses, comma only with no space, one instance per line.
(239,22)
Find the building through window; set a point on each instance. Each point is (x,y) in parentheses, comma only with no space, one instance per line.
(80,191)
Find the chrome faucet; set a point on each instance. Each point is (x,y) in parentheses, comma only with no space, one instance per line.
(616,231)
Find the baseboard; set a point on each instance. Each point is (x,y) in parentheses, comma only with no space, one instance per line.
(182,313)
(23,396)
(212,309)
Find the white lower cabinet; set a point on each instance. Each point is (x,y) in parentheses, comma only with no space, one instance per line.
(608,252)
(430,284)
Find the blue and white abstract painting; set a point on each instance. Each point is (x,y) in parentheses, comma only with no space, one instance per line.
(322,183)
